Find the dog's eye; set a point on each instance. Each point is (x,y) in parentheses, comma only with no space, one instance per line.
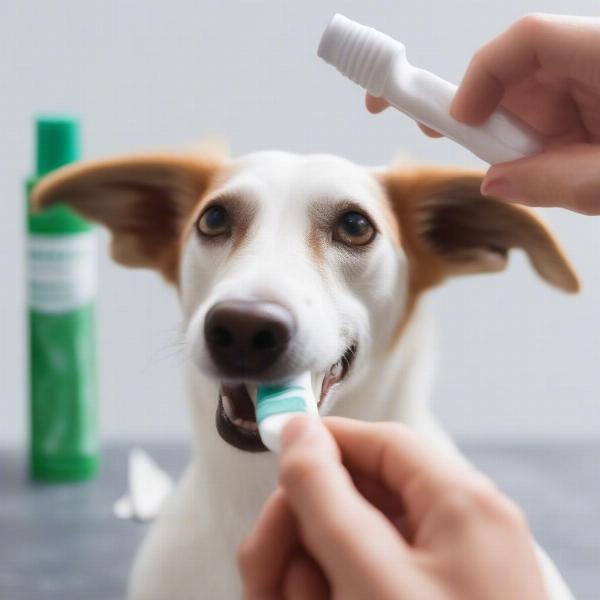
(214,221)
(354,229)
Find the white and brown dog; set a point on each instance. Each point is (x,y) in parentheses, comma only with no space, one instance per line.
(287,263)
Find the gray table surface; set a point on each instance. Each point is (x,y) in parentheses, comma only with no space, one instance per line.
(62,542)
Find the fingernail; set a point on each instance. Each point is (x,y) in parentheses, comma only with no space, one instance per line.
(299,427)
(500,187)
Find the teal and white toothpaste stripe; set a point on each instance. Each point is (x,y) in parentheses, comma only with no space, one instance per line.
(278,399)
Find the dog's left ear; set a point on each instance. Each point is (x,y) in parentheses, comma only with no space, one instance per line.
(145,201)
(448,228)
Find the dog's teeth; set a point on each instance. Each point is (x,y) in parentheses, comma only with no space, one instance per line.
(336,370)
(227,406)
(250,425)
(251,389)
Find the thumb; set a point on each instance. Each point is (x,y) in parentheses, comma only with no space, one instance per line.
(342,531)
(567,176)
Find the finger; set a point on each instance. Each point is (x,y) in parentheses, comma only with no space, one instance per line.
(375,104)
(565,176)
(549,110)
(264,555)
(428,131)
(332,515)
(379,495)
(304,580)
(399,458)
(562,46)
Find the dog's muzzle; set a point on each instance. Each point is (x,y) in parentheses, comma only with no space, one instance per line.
(249,342)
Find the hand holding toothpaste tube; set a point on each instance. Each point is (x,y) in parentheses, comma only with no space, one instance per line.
(544,69)
(370,510)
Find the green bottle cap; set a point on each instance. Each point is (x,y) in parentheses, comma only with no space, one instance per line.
(57,142)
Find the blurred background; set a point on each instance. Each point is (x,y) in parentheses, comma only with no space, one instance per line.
(517,359)
(518,377)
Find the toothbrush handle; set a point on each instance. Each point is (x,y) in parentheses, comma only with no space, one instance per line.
(426,98)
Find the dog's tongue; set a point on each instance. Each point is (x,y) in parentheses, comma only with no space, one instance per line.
(239,397)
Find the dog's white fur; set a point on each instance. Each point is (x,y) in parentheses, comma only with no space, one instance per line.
(337,297)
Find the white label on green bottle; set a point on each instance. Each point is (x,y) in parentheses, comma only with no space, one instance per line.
(62,271)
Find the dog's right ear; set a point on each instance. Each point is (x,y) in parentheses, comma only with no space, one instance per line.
(144,200)
(448,228)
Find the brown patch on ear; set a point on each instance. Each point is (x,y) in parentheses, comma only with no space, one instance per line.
(144,200)
(448,228)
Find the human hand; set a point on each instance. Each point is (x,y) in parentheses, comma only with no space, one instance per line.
(544,69)
(372,511)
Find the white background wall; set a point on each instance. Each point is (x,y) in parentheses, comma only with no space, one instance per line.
(516,357)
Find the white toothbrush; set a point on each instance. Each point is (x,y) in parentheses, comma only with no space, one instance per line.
(378,63)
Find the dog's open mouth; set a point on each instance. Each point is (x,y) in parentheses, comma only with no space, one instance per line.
(236,417)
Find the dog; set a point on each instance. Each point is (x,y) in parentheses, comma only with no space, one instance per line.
(288,263)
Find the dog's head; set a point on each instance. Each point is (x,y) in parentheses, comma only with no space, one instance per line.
(288,263)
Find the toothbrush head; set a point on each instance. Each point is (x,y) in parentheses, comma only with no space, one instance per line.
(277,404)
(361,53)
(276,399)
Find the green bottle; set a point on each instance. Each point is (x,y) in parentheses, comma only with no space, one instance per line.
(61,262)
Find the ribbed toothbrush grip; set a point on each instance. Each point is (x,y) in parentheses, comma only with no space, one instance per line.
(361,53)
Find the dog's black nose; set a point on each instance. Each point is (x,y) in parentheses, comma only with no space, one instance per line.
(245,338)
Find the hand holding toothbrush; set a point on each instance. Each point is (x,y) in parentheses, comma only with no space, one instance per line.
(370,510)
(544,69)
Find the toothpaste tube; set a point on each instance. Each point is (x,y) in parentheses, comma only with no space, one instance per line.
(61,265)
(277,404)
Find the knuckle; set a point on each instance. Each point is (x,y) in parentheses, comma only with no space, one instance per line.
(297,470)
(510,513)
(479,56)
(487,500)
(393,435)
(530,24)
(476,498)
(481,499)
(584,199)
(482,57)
(392,431)
(245,555)
(457,505)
